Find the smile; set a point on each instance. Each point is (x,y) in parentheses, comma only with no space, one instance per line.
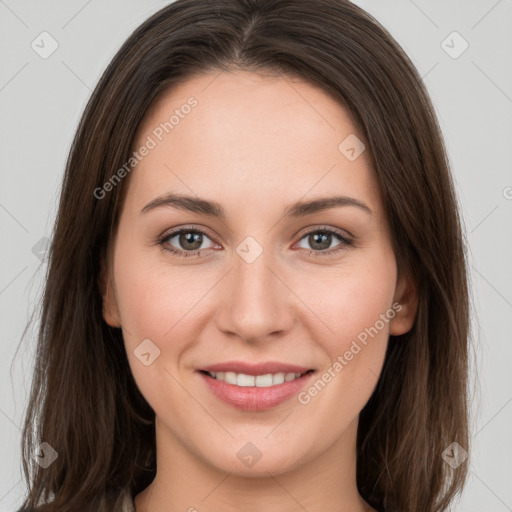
(254,387)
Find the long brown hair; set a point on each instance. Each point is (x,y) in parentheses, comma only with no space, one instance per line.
(84,401)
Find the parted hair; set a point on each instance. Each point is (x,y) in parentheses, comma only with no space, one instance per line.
(84,401)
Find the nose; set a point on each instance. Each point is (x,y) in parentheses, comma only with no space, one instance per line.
(256,301)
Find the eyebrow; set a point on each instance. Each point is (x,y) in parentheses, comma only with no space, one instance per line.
(214,209)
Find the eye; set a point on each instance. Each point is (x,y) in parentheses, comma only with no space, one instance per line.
(190,242)
(321,239)
(186,242)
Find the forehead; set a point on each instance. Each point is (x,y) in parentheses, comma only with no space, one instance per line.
(253,134)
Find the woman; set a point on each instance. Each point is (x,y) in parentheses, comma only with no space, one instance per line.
(257,290)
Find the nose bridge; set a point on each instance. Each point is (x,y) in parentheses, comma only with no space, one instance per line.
(256,303)
(251,272)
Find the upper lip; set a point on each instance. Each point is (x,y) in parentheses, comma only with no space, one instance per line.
(254,369)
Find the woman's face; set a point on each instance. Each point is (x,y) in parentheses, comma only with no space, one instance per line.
(270,280)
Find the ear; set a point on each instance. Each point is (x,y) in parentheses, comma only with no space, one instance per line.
(406,295)
(110,307)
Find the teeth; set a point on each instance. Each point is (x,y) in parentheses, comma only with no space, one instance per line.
(245,380)
(263,381)
(229,377)
(259,381)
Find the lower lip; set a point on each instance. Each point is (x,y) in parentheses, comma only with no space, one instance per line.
(252,398)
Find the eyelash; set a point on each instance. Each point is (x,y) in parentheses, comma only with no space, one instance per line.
(345,242)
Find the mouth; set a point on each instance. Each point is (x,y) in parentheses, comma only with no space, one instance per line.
(255,387)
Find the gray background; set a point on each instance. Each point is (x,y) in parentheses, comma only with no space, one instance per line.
(41,101)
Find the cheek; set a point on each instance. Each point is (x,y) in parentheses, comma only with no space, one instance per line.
(356,308)
(351,298)
(154,298)
(160,303)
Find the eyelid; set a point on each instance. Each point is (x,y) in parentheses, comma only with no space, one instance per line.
(188,227)
(325,227)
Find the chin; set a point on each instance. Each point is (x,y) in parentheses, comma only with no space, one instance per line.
(255,459)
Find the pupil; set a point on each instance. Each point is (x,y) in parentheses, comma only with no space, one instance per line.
(322,239)
(190,238)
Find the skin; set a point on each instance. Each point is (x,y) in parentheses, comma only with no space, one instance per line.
(255,144)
